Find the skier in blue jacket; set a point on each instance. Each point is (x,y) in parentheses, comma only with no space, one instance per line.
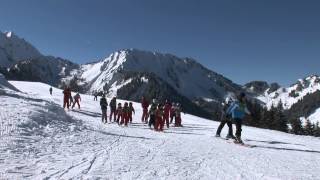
(238,110)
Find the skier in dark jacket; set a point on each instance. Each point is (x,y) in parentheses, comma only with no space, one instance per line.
(152,113)
(95,96)
(178,121)
(225,119)
(113,109)
(50,90)
(77,99)
(172,112)
(159,118)
(104,106)
(238,110)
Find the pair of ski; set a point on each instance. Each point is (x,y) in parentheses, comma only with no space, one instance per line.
(233,141)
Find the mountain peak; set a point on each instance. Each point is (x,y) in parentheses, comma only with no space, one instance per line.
(8,34)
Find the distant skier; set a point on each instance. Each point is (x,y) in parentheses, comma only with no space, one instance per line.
(166,116)
(225,119)
(159,118)
(95,96)
(178,120)
(145,105)
(119,113)
(66,97)
(152,113)
(50,90)
(104,105)
(113,109)
(77,99)
(131,110)
(238,110)
(172,112)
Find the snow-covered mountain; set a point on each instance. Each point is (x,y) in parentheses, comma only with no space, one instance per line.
(301,99)
(132,73)
(19,60)
(46,69)
(260,87)
(185,75)
(291,95)
(14,49)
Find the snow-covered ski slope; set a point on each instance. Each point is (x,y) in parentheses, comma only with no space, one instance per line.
(41,141)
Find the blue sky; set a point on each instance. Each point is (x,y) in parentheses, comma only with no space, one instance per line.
(271,40)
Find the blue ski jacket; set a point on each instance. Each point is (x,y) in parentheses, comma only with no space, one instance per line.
(238,110)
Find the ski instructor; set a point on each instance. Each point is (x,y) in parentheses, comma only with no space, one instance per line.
(238,110)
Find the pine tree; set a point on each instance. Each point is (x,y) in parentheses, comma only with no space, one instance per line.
(280,120)
(309,128)
(296,126)
(317,130)
(271,118)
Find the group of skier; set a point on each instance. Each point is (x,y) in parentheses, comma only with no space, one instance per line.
(68,100)
(157,115)
(160,114)
(121,114)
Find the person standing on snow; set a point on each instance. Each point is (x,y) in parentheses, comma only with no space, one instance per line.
(125,114)
(172,112)
(119,113)
(113,109)
(152,113)
(77,100)
(50,90)
(177,112)
(159,118)
(145,106)
(66,97)
(225,119)
(131,110)
(95,96)
(238,110)
(166,109)
(104,106)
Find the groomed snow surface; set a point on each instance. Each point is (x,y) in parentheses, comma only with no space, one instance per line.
(39,140)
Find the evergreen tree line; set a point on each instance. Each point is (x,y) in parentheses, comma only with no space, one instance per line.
(276,118)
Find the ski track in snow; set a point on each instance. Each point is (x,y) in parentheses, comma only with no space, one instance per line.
(41,141)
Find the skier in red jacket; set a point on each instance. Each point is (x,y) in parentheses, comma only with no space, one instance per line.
(66,97)
(145,105)
(167,109)
(119,113)
(131,110)
(125,114)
